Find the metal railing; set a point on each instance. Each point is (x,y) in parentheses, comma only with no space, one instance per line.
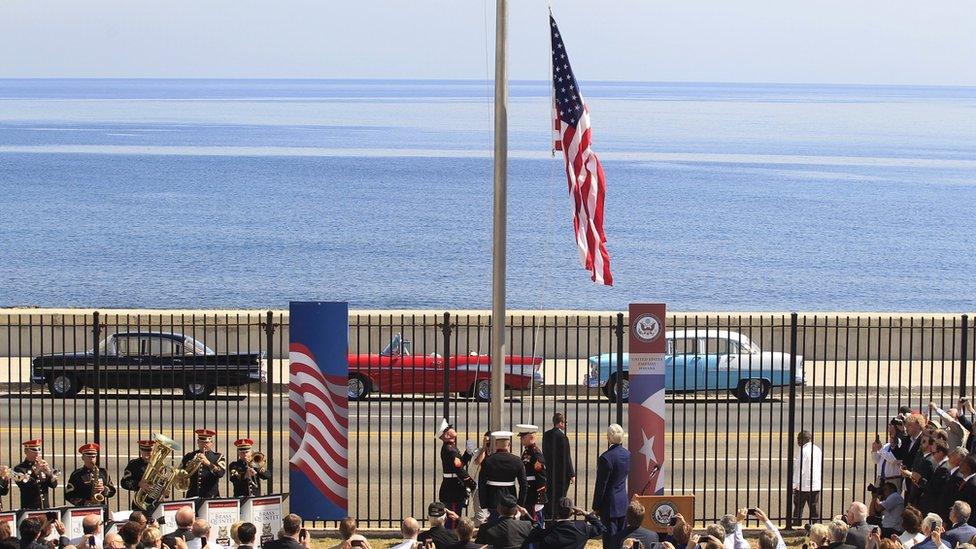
(856,370)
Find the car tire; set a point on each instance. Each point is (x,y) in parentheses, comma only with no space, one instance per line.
(64,385)
(358,387)
(196,389)
(752,390)
(610,389)
(481,390)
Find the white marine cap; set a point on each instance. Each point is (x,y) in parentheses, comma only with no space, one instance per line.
(442,426)
(526,429)
(501,435)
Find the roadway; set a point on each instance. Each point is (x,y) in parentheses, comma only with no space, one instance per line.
(729,454)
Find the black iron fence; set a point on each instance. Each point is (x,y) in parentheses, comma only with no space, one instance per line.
(118,378)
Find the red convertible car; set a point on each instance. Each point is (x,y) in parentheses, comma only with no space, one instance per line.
(397,370)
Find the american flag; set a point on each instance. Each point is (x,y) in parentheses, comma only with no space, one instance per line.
(587,185)
(319,425)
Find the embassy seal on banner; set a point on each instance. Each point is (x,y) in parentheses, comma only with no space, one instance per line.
(645,409)
(318,410)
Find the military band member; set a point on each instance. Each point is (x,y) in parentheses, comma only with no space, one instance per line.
(212,466)
(247,472)
(500,473)
(132,476)
(89,484)
(535,472)
(40,477)
(457,484)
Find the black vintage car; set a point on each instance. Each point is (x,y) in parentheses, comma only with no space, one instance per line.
(147,360)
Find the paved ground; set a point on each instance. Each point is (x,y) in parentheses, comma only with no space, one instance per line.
(728,454)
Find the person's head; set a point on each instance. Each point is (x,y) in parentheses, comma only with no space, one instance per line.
(911,520)
(145,449)
(635,514)
(818,534)
(292,525)
(564,508)
(728,523)
(131,532)
(435,514)
(837,530)
(857,512)
(767,540)
(507,505)
(968,465)
(959,512)
(205,439)
(113,541)
(152,537)
(89,455)
(234,527)
(348,527)
(940,450)
(716,531)
(29,530)
(559,420)
(888,488)
(244,446)
(449,435)
(410,528)
(615,434)
(201,528)
(464,529)
(681,533)
(32,450)
(138,516)
(185,517)
(91,524)
(503,443)
(914,424)
(527,439)
(246,532)
(803,437)
(931,523)
(957,455)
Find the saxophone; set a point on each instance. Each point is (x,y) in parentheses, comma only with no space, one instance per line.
(160,476)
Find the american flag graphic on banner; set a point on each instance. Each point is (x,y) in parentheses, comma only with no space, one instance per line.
(584,173)
(318,410)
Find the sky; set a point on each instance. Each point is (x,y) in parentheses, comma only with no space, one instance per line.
(786,41)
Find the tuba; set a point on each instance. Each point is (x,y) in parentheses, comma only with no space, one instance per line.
(160,476)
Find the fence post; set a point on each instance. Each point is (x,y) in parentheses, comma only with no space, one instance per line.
(97,416)
(446,330)
(964,348)
(269,438)
(790,445)
(620,368)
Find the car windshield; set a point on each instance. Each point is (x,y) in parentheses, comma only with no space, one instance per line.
(397,346)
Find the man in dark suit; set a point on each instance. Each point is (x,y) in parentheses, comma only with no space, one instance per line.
(30,530)
(909,439)
(960,532)
(184,524)
(950,493)
(610,493)
(566,533)
(559,460)
(858,528)
(837,531)
(246,533)
(919,472)
(967,486)
(291,527)
(507,532)
(635,517)
(933,488)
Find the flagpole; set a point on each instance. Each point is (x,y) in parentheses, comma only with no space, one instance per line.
(499,347)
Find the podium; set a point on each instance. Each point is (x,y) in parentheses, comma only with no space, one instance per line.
(658,510)
(168,510)
(221,514)
(266,514)
(73,516)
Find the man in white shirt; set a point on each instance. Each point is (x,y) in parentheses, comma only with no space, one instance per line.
(410,529)
(807,475)
(888,466)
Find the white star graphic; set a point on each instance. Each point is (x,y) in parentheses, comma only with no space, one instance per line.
(647,450)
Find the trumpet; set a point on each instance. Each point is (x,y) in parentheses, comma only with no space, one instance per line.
(6,473)
(258,461)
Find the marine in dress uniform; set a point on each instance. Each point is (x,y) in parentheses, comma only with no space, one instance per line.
(457,484)
(535,472)
(89,484)
(204,483)
(132,476)
(245,475)
(40,477)
(500,474)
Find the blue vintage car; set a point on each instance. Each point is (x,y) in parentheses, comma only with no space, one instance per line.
(699,360)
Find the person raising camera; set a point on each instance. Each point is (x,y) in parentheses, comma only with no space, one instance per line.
(886,507)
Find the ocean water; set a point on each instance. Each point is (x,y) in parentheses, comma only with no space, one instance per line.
(199,193)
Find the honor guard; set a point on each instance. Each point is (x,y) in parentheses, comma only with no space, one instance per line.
(36,477)
(132,476)
(535,472)
(248,471)
(205,466)
(89,484)
(457,484)
(500,473)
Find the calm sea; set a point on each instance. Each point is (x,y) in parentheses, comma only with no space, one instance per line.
(198,193)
